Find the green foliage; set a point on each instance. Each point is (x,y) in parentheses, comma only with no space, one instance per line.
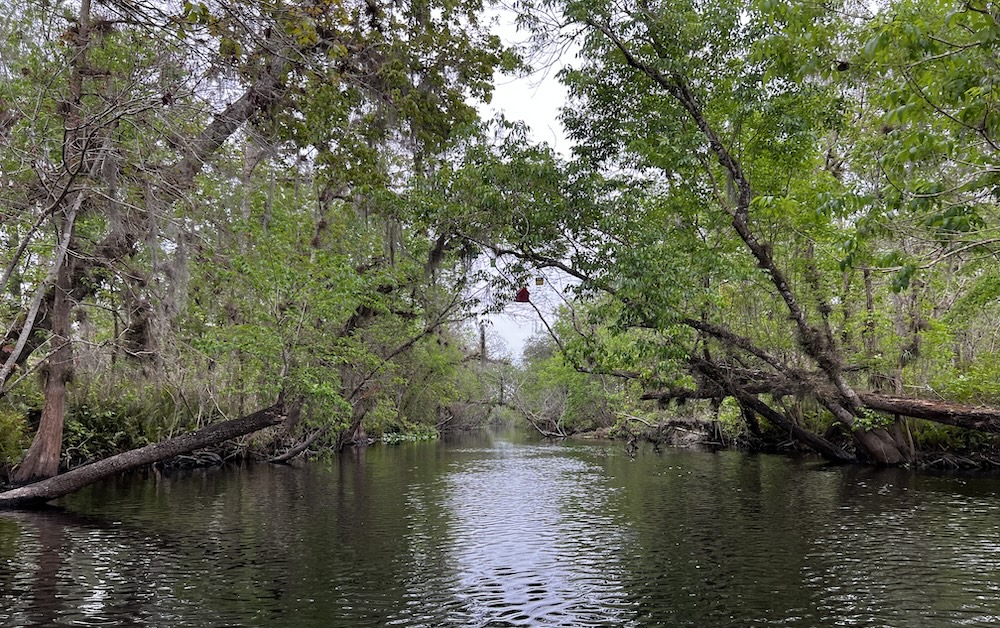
(983,292)
(410,434)
(13,435)
(91,434)
(977,382)
(731,418)
(111,415)
(16,412)
(326,252)
(573,387)
(224,257)
(937,437)
(872,180)
(870,420)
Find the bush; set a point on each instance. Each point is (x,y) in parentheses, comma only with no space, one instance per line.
(928,436)
(14,437)
(92,433)
(413,434)
(106,417)
(977,382)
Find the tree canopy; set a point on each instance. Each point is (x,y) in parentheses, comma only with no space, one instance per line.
(775,201)
(212,205)
(207,207)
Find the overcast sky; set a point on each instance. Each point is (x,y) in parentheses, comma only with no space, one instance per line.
(534,99)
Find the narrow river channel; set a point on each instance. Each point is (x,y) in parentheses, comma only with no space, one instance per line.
(501,530)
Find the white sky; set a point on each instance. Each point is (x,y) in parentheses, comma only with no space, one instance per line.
(534,99)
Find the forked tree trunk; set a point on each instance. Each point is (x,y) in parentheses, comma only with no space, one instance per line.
(52,488)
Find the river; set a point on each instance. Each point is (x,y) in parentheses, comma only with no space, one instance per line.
(501,530)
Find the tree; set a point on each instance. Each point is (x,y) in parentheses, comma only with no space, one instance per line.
(137,149)
(716,199)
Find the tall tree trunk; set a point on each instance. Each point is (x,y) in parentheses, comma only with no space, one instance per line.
(42,459)
(25,344)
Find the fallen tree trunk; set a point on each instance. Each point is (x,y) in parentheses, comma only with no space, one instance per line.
(299,448)
(716,382)
(982,418)
(66,483)
(815,442)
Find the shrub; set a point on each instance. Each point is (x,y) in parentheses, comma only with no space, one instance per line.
(13,436)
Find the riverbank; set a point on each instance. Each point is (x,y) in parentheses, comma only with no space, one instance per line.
(940,449)
(975,452)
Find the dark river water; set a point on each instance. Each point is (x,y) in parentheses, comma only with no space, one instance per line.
(497,530)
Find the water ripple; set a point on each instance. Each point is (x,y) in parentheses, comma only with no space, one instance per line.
(530,538)
(504,534)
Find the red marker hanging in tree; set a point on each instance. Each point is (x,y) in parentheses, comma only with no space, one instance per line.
(522,296)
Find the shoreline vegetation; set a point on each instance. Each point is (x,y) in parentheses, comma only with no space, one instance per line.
(951,450)
(709,435)
(291,221)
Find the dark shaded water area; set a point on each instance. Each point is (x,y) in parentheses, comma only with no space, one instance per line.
(498,530)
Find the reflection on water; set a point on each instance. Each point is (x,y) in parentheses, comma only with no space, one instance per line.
(534,539)
(497,531)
